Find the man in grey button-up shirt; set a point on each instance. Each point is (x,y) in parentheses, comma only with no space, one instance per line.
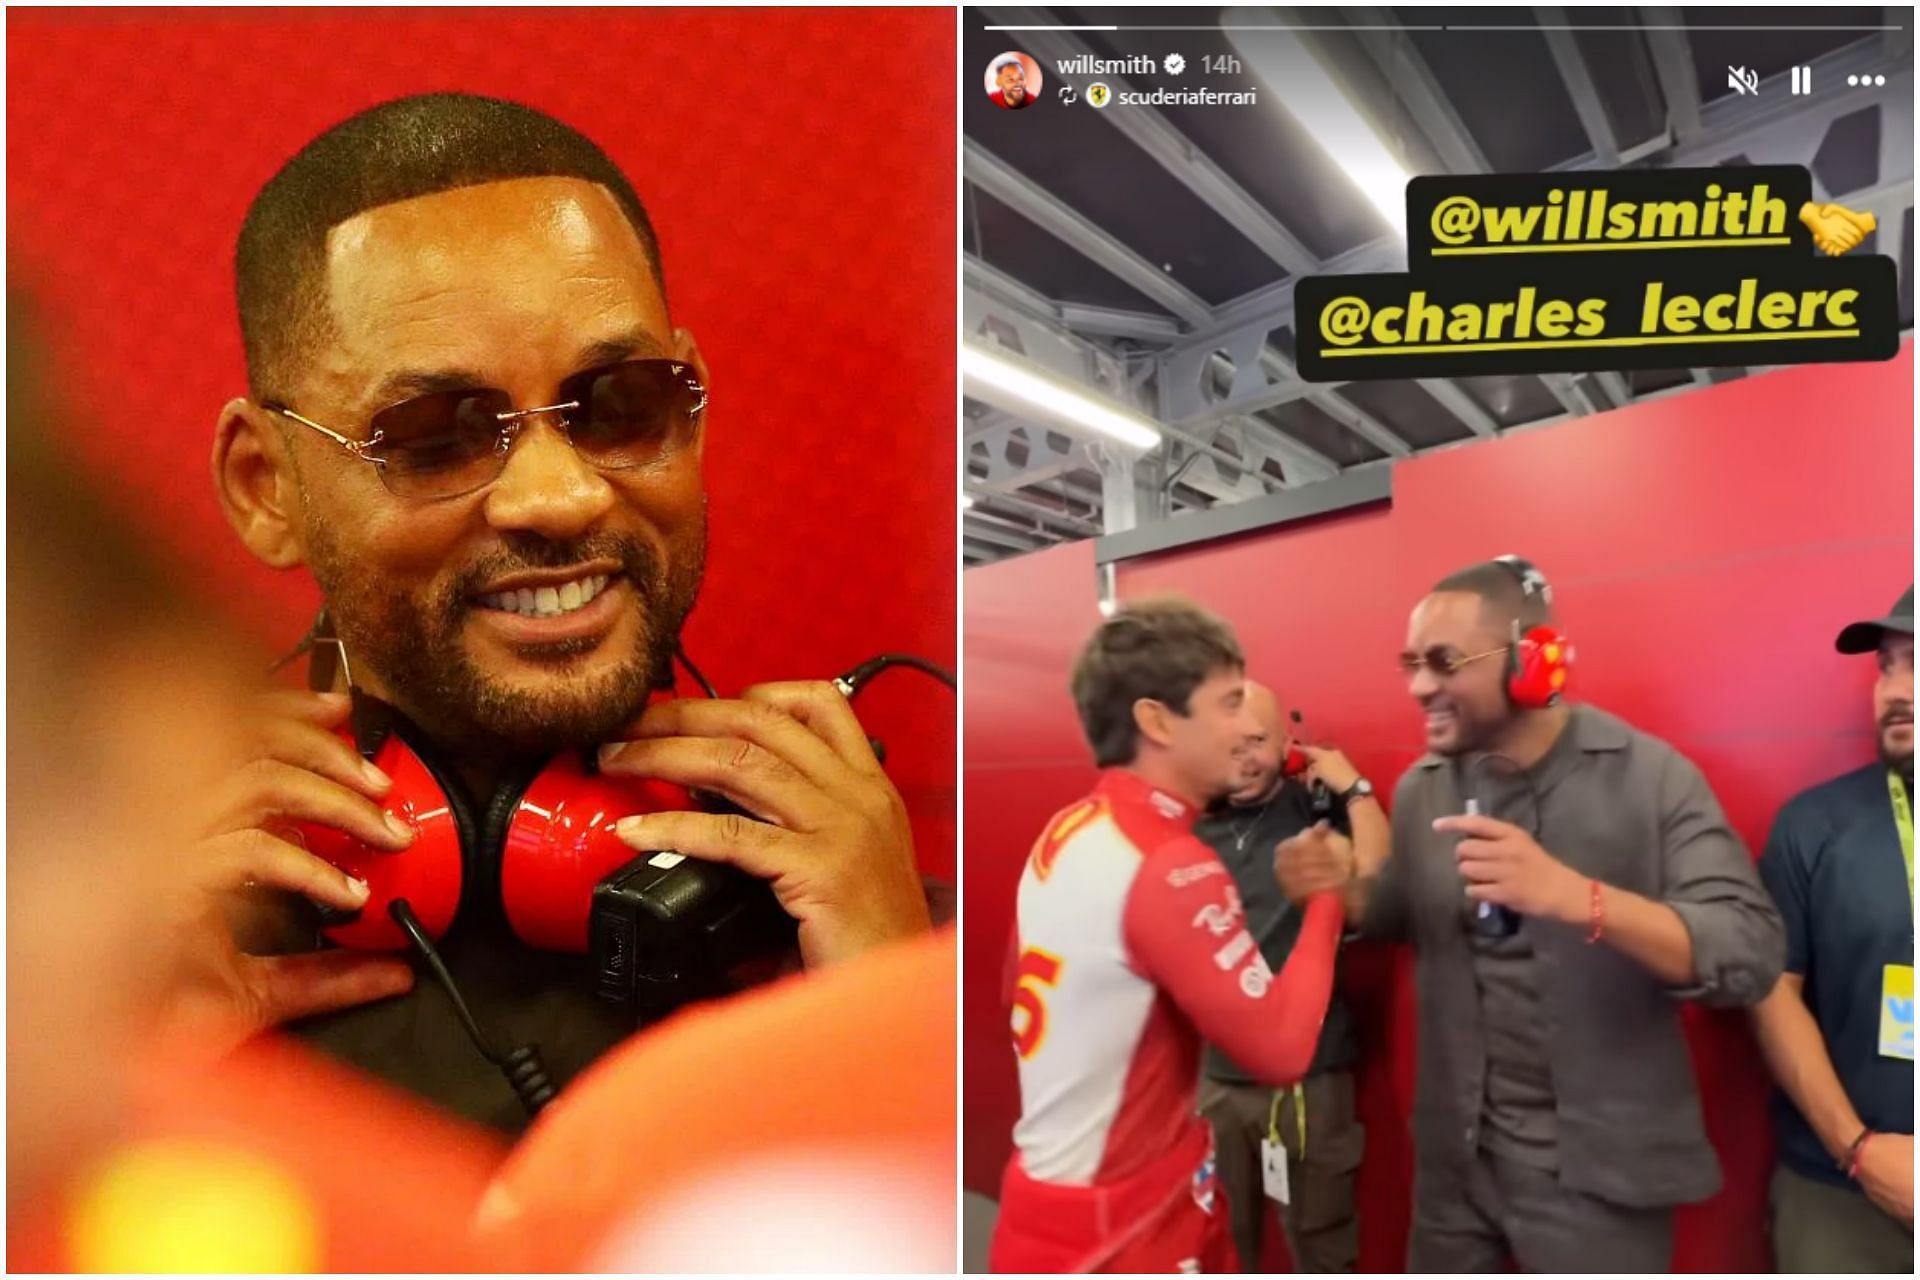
(1556,1115)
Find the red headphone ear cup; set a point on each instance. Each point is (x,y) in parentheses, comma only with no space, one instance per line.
(1295,763)
(426,873)
(1541,666)
(561,843)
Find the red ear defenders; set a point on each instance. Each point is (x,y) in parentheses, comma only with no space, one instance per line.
(1295,762)
(1540,661)
(535,852)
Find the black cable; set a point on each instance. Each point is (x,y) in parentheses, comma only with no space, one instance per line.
(694,671)
(304,646)
(525,1072)
(857,679)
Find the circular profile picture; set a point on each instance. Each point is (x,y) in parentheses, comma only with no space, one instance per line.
(1013,81)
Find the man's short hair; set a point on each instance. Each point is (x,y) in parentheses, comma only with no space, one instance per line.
(399,150)
(1162,648)
(1503,593)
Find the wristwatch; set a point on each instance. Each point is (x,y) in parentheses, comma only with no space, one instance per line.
(1358,791)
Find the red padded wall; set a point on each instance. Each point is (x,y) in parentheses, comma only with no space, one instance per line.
(802,188)
(1704,551)
(1024,760)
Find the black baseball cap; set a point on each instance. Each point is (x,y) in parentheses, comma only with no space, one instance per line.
(1864,637)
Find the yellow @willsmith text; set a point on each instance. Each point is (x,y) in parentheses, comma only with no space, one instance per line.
(1591,219)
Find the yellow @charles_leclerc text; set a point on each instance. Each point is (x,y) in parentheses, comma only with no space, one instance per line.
(1748,310)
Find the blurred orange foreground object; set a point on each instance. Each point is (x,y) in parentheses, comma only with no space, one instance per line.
(273,1159)
(807,1126)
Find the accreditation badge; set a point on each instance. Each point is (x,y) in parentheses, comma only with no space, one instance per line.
(1896,1011)
(1273,1170)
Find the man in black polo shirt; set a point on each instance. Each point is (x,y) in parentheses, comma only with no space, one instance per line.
(1314,1120)
(1838,1029)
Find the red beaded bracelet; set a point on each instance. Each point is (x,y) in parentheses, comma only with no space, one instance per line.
(1859,1154)
(1596,912)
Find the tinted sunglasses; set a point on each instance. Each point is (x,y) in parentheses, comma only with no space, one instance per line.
(1442,661)
(449,443)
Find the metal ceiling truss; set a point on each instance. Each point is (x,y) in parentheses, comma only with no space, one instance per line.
(1214,368)
(1226,462)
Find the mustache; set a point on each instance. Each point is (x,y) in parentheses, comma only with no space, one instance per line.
(639,563)
(1898,710)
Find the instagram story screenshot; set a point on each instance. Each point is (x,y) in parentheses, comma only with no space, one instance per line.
(482,640)
(1437,521)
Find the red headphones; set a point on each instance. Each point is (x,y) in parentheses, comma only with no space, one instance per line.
(1539,661)
(1295,762)
(536,851)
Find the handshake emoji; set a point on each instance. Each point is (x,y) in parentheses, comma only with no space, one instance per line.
(1835,230)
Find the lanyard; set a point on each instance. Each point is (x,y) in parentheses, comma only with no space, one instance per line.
(1903,819)
(1299,1092)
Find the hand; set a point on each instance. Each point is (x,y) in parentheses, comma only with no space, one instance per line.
(1318,860)
(832,837)
(1886,1174)
(293,770)
(1503,863)
(1331,767)
(1836,229)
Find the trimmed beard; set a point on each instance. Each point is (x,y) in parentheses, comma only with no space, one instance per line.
(414,645)
(1475,735)
(1900,762)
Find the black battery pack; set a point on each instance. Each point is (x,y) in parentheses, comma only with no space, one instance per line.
(667,929)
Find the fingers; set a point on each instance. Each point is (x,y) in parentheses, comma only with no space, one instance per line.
(1483,872)
(1317,840)
(763,724)
(1471,824)
(306,745)
(1481,859)
(237,858)
(284,988)
(266,790)
(754,847)
(825,711)
(747,774)
(327,710)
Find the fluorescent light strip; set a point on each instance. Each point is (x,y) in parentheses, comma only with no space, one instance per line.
(1302,85)
(1050,398)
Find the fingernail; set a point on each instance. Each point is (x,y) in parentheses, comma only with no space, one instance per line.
(373,774)
(609,753)
(400,829)
(357,889)
(631,829)
(333,699)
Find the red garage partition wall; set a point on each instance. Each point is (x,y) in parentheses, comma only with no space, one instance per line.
(1704,552)
(797,165)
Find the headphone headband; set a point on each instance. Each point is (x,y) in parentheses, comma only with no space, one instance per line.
(1538,657)
(1532,581)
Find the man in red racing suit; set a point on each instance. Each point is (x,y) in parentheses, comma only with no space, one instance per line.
(1130,946)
